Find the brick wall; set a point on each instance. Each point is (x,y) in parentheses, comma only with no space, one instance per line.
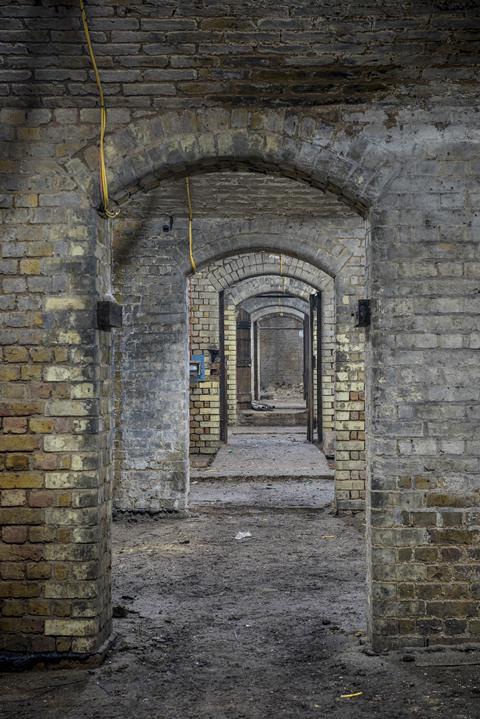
(281,353)
(398,149)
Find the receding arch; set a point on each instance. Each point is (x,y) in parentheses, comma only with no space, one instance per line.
(307,249)
(249,287)
(229,270)
(326,246)
(288,255)
(254,305)
(267,312)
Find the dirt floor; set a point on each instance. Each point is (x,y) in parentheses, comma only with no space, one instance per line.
(265,627)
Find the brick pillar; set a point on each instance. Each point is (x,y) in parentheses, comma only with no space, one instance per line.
(55,480)
(152,387)
(423,509)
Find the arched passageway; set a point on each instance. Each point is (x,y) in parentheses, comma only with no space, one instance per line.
(337,243)
(178,321)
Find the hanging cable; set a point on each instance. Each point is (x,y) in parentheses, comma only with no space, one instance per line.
(105,209)
(283,282)
(190,219)
(281,273)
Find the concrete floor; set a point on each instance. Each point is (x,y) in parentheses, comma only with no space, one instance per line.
(292,403)
(299,431)
(309,492)
(266,453)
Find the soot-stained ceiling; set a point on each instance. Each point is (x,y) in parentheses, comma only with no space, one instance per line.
(186,52)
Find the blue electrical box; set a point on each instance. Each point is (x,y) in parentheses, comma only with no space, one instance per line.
(197,368)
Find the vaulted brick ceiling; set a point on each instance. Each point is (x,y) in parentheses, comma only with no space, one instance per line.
(240,194)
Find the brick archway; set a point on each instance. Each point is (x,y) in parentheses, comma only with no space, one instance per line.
(354,169)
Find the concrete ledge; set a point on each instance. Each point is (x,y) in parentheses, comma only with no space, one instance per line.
(134,514)
(23,661)
(428,651)
(219,477)
(350,505)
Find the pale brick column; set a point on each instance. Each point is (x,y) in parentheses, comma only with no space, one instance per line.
(328,365)
(204,396)
(231,358)
(350,469)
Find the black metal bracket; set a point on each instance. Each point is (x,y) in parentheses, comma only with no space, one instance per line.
(363,314)
(109,315)
(214,354)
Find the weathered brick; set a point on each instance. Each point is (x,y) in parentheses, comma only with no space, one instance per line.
(18,443)
(14,535)
(20,480)
(13,498)
(21,626)
(15,354)
(39,570)
(19,589)
(40,425)
(41,534)
(71,627)
(15,425)
(14,515)
(18,409)
(30,267)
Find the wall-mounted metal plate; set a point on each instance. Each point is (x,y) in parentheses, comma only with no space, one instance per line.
(214,354)
(109,315)
(363,315)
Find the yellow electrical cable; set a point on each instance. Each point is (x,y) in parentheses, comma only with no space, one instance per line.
(103,120)
(281,272)
(283,282)
(190,218)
